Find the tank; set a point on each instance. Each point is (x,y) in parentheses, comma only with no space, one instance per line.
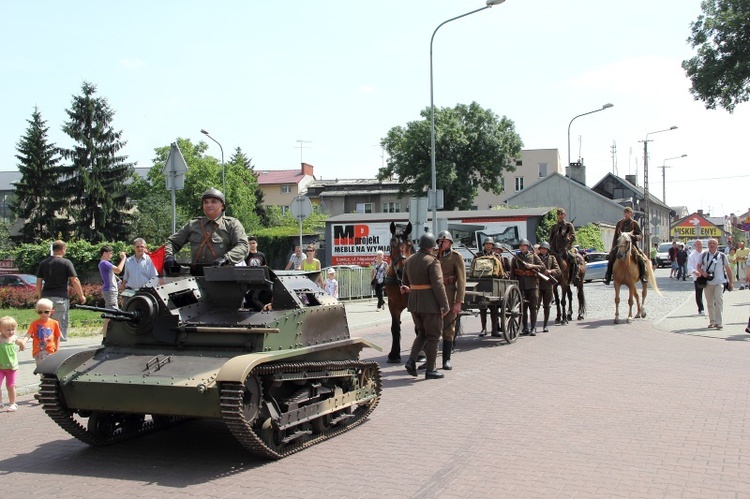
(282,377)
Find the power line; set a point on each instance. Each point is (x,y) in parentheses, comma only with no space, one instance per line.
(707,178)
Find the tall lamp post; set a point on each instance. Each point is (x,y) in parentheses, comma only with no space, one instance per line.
(646,221)
(223,180)
(570,169)
(433,192)
(663,177)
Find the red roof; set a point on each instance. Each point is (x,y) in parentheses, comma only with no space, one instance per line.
(271,177)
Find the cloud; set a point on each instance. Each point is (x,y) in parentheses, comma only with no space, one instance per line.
(130,63)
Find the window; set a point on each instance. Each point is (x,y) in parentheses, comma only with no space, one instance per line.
(286,189)
(364,208)
(542,170)
(284,209)
(502,183)
(519,184)
(391,207)
(519,162)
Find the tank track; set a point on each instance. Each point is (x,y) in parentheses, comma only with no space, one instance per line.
(246,432)
(51,399)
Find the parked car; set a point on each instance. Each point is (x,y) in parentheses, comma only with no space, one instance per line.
(27,281)
(662,254)
(596,266)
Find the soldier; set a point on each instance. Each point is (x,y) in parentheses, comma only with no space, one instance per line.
(552,269)
(627,224)
(524,269)
(214,238)
(487,250)
(561,237)
(498,250)
(428,304)
(454,278)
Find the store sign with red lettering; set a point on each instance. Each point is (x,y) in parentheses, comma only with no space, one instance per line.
(357,244)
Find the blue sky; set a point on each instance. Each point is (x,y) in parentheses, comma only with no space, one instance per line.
(263,74)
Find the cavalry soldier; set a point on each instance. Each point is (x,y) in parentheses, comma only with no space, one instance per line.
(214,238)
(454,278)
(428,304)
(561,237)
(524,269)
(552,269)
(627,224)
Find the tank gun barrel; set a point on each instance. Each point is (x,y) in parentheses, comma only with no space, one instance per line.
(113,314)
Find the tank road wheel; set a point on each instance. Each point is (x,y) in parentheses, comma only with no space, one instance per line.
(107,425)
(272,437)
(511,313)
(251,398)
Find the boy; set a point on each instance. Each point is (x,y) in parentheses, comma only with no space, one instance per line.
(44,332)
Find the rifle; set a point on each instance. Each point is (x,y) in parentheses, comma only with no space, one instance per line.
(539,274)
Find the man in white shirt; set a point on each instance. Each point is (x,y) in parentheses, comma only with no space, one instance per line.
(715,266)
(138,268)
(692,264)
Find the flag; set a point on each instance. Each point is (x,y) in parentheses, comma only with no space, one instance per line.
(157,258)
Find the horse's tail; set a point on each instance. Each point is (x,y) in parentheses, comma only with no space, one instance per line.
(652,277)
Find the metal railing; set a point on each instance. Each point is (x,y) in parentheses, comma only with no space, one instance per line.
(354,283)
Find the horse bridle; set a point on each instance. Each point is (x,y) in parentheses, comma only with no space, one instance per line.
(398,269)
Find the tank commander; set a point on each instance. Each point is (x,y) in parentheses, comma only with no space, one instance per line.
(215,239)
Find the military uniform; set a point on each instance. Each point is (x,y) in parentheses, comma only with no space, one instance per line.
(545,287)
(561,238)
(483,310)
(454,279)
(427,300)
(627,225)
(210,240)
(528,284)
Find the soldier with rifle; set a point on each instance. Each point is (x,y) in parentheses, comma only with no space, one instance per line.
(561,237)
(454,279)
(525,268)
(552,269)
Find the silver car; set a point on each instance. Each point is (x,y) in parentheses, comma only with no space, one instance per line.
(596,266)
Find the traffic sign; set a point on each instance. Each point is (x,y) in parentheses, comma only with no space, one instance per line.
(301,208)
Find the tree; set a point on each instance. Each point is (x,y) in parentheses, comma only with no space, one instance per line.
(37,199)
(720,72)
(239,158)
(95,182)
(473,147)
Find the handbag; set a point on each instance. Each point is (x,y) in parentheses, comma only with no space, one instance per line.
(701,281)
(373,282)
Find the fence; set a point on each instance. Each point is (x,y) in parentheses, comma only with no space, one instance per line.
(354,283)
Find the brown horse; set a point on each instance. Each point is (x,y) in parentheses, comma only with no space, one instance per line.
(625,272)
(563,316)
(401,249)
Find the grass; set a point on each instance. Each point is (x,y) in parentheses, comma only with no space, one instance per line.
(80,322)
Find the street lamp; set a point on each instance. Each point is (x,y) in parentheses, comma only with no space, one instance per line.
(570,170)
(646,221)
(663,177)
(433,191)
(223,180)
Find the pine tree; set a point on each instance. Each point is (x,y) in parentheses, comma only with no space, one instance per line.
(240,158)
(37,198)
(95,180)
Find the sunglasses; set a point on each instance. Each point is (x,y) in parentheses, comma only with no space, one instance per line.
(40,312)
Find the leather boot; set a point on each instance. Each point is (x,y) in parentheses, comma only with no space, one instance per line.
(608,275)
(411,367)
(642,270)
(433,375)
(447,347)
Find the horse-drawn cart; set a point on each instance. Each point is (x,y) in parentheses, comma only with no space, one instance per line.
(502,298)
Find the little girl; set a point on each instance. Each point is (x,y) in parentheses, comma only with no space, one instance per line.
(9,360)
(332,285)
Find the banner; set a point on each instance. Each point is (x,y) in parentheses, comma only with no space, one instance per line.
(356,244)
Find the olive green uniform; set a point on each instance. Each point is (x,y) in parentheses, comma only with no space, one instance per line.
(210,240)
(625,225)
(561,238)
(545,287)
(454,279)
(528,284)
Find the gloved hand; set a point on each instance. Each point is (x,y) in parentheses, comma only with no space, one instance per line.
(170,264)
(220,262)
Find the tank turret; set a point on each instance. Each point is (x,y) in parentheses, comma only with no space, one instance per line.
(269,354)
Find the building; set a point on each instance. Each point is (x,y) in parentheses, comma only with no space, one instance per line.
(280,187)
(340,196)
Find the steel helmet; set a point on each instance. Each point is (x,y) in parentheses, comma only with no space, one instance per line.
(214,193)
(544,245)
(498,246)
(445,235)
(488,240)
(524,241)
(427,241)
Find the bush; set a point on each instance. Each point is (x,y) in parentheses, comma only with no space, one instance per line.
(11,297)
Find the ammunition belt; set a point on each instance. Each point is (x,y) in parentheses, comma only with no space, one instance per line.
(448,280)
(525,273)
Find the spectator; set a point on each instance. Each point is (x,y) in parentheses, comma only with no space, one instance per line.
(654,254)
(672,256)
(378,277)
(45,332)
(694,261)
(312,264)
(331,284)
(139,268)
(55,273)
(107,270)
(255,258)
(715,267)
(296,259)
(9,360)
(742,254)
(682,257)
(732,257)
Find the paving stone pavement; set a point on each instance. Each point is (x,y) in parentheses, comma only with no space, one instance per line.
(591,409)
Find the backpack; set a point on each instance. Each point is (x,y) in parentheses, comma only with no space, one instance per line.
(486,266)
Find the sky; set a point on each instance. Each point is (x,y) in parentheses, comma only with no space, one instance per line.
(323,81)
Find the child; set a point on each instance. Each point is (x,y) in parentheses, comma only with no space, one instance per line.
(332,285)
(45,332)
(9,360)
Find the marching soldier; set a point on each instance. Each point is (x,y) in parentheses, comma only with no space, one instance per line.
(524,269)
(552,269)
(562,235)
(627,224)
(454,278)
(214,238)
(428,304)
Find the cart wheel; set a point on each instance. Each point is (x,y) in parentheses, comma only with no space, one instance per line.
(511,313)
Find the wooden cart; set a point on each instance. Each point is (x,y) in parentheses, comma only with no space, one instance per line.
(502,298)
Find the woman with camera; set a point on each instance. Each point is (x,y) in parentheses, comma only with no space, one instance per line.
(716,275)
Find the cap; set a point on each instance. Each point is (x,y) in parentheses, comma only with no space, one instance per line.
(331,271)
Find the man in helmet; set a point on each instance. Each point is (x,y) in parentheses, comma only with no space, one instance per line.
(561,238)
(487,246)
(488,250)
(428,304)
(454,279)
(552,269)
(524,269)
(215,239)
(627,224)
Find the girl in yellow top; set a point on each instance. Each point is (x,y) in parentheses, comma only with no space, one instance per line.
(311,264)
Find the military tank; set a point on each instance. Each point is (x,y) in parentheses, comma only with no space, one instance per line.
(269,354)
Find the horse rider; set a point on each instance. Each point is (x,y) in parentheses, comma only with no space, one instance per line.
(428,304)
(552,269)
(454,278)
(214,238)
(627,224)
(524,269)
(561,237)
